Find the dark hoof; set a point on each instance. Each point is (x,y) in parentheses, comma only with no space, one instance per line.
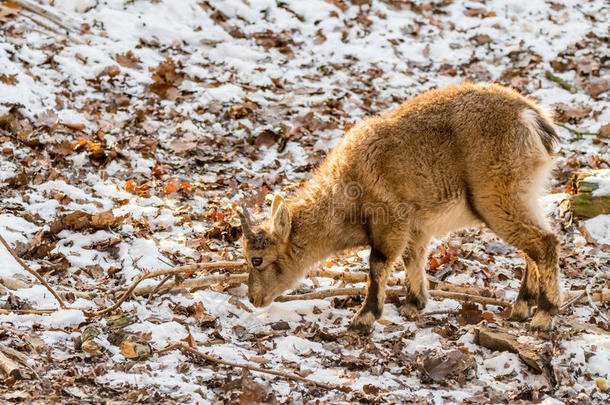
(409,311)
(362,325)
(542,321)
(521,311)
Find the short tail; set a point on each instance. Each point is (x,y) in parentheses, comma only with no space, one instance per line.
(541,121)
(546,131)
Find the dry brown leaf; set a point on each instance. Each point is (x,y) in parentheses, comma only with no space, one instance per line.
(9,10)
(8,79)
(453,365)
(190,340)
(128,60)
(469,314)
(572,113)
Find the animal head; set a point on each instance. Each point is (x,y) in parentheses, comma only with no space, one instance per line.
(266,247)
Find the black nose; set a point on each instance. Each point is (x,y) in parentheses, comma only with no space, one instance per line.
(251,300)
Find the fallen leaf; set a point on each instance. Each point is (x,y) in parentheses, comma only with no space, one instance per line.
(455,365)
(190,340)
(469,314)
(251,391)
(9,10)
(8,79)
(571,113)
(73,125)
(198,312)
(128,60)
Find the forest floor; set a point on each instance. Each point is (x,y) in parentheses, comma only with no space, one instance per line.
(163,115)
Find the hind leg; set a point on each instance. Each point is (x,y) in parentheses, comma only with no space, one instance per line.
(414,258)
(519,224)
(528,293)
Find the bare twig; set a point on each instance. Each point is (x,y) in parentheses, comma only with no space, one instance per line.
(392,292)
(591,303)
(184,348)
(441,312)
(393,281)
(34,273)
(158,287)
(10,367)
(54,30)
(577,133)
(46,13)
(26,371)
(574,299)
(27,311)
(178,270)
(196,283)
(562,83)
(13,283)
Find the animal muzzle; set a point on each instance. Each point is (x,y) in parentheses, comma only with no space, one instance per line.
(256,300)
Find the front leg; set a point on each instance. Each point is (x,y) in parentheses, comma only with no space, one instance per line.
(372,308)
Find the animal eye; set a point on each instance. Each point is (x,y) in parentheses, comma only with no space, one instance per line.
(257,261)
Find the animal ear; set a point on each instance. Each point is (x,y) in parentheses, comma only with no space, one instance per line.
(281,219)
(277,200)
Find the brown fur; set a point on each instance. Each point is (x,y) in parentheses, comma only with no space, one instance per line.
(446,159)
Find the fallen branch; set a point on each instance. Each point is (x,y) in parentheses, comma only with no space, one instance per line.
(590,299)
(11,368)
(184,348)
(15,364)
(562,83)
(438,289)
(13,284)
(577,133)
(195,283)
(27,311)
(178,270)
(46,13)
(392,292)
(394,281)
(34,273)
(165,279)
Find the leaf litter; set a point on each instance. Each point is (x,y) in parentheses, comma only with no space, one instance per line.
(129,154)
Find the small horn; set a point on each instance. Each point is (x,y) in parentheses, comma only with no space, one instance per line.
(246,220)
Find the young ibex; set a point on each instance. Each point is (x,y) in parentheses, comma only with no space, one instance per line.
(444,160)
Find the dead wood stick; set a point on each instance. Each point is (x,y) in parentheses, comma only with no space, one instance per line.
(562,83)
(231,267)
(20,358)
(11,368)
(46,13)
(392,291)
(394,281)
(199,282)
(179,270)
(589,297)
(184,348)
(580,134)
(34,273)
(575,298)
(158,287)
(27,311)
(13,283)
(31,16)
(196,283)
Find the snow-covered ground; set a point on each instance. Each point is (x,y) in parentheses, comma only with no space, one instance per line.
(169,112)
